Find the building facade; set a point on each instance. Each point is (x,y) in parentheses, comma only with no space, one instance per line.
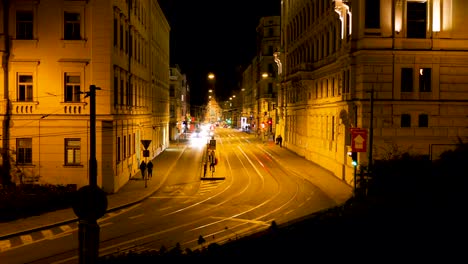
(179,107)
(260,80)
(397,69)
(53,51)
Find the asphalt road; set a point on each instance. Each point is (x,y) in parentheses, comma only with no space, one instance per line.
(250,189)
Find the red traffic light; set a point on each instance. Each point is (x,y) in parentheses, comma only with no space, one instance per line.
(269,121)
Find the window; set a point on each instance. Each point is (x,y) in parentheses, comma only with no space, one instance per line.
(24,25)
(425,80)
(72,26)
(172,91)
(405,120)
(72,151)
(423,120)
(124,146)
(24,150)
(372,14)
(72,87)
(407,79)
(25,88)
(115,32)
(118,150)
(416,19)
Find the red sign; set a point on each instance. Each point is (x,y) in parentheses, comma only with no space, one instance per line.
(358,140)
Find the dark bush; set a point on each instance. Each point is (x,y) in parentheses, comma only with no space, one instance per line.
(33,199)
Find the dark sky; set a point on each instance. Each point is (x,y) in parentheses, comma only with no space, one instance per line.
(216,36)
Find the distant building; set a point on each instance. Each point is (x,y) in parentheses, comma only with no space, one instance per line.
(411,55)
(179,106)
(52,51)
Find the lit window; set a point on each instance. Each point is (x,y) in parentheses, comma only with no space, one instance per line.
(425,80)
(24,150)
(25,88)
(24,25)
(72,26)
(72,151)
(72,87)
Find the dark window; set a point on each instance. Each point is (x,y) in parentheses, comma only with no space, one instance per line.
(425,80)
(118,150)
(407,79)
(116,90)
(423,120)
(24,25)
(405,120)
(72,88)
(121,92)
(115,32)
(72,26)
(72,151)
(24,150)
(121,37)
(270,89)
(171,91)
(372,19)
(416,19)
(25,88)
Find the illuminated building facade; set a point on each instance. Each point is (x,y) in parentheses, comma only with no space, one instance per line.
(411,55)
(52,51)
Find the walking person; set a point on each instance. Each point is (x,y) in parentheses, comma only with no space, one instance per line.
(279,140)
(149,166)
(143,169)
(212,161)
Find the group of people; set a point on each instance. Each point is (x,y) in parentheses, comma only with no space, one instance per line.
(144,167)
(211,160)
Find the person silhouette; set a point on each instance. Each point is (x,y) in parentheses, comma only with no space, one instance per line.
(143,169)
(149,166)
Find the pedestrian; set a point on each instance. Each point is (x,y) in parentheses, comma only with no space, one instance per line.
(150,169)
(212,161)
(204,168)
(143,169)
(279,140)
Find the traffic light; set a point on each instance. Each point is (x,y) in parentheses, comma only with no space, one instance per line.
(353,156)
(269,121)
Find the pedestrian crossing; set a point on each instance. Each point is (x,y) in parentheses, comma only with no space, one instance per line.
(205,187)
(49,233)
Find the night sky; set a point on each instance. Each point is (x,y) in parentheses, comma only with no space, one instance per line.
(216,36)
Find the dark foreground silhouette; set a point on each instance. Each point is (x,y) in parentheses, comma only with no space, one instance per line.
(411,210)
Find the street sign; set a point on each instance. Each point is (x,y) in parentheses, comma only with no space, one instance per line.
(146,143)
(358,140)
(212,143)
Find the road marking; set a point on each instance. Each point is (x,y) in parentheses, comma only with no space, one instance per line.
(65,228)
(47,233)
(136,216)
(26,239)
(4,245)
(243,220)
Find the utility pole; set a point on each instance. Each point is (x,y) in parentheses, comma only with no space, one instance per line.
(5,178)
(91,201)
(371,129)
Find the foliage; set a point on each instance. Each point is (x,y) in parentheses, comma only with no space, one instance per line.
(33,199)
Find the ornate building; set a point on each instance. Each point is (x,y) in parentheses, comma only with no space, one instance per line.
(396,68)
(52,51)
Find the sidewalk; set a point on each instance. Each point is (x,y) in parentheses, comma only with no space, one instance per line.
(134,191)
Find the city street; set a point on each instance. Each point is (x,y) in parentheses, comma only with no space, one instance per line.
(254,184)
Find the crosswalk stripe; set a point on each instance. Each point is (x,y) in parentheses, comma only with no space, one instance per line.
(4,245)
(47,233)
(26,239)
(65,228)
